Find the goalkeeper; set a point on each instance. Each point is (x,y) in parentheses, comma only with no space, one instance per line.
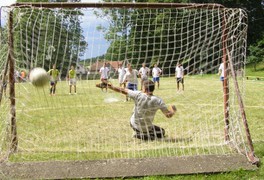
(146,106)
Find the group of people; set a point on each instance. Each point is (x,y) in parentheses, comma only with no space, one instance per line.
(146,103)
(129,76)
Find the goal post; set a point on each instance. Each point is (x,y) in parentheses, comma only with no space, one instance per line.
(93,126)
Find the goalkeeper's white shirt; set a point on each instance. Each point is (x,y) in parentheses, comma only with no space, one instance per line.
(145,109)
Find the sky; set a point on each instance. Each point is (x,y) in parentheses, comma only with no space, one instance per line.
(98,45)
(6,3)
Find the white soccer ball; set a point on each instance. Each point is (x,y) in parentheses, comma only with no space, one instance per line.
(38,77)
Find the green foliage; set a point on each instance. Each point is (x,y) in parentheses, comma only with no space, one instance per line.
(256,53)
(48,36)
(255,10)
(259,72)
(142,35)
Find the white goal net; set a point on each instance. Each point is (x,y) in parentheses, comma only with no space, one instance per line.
(95,124)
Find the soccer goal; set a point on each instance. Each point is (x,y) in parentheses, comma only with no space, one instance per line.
(88,134)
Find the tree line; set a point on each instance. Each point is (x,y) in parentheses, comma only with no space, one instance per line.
(65,46)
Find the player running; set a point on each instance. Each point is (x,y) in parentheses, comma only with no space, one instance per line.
(121,73)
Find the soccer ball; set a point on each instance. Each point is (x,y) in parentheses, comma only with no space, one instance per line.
(38,77)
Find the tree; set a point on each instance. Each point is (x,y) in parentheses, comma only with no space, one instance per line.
(44,37)
(256,53)
(142,35)
(255,11)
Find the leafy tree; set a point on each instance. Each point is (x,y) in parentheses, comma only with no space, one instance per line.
(256,53)
(127,25)
(48,36)
(255,10)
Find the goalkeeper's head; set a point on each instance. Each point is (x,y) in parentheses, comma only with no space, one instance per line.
(148,86)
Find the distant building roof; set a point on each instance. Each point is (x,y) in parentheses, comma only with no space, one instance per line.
(111,64)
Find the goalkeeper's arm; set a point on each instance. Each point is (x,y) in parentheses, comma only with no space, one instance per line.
(118,89)
(170,111)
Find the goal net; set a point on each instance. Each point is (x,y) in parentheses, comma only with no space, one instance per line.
(94,124)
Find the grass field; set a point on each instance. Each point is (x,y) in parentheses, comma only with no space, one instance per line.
(95,124)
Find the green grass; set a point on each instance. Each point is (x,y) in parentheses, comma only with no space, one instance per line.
(259,72)
(65,127)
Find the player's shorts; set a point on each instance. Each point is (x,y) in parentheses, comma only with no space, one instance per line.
(132,87)
(52,83)
(156,79)
(72,82)
(222,78)
(180,80)
(144,78)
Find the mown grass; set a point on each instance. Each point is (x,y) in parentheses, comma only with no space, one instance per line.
(54,127)
(259,72)
(88,126)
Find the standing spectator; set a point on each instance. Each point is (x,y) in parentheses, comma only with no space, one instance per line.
(54,77)
(143,72)
(121,73)
(104,75)
(179,74)
(156,71)
(72,79)
(131,79)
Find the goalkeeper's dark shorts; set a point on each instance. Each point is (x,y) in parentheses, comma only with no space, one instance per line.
(154,133)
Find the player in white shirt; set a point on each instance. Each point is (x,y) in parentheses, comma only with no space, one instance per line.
(179,74)
(156,71)
(121,74)
(143,72)
(104,75)
(131,78)
(221,72)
